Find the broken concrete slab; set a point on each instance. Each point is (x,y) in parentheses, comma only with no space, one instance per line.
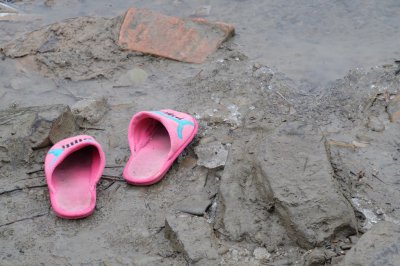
(41,126)
(187,40)
(90,110)
(378,246)
(299,178)
(192,236)
(243,211)
(211,154)
(372,187)
(195,204)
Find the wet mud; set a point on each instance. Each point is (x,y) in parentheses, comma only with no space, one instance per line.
(279,174)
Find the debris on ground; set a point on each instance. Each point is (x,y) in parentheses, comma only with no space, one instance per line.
(195,204)
(192,236)
(312,213)
(211,154)
(90,111)
(378,246)
(68,49)
(39,126)
(279,174)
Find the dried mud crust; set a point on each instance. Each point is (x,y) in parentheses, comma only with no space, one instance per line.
(77,49)
(292,176)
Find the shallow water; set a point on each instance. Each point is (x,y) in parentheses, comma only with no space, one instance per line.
(311,41)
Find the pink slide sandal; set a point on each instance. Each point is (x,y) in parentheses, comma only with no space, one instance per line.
(156,138)
(73,167)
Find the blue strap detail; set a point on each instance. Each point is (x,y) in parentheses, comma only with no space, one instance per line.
(56,153)
(181,122)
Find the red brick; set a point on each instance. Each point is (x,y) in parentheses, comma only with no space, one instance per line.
(187,40)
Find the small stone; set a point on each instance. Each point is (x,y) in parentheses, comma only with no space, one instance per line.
(393,109)
(329,254)
(363,138)
(337,260)
(202,11)
(90,111)
(353,239)
(345,246)
(261,254)
(211,155)
(375,124)
(315,258)
(222,250)
(134,76)
(263,73)
(256,65)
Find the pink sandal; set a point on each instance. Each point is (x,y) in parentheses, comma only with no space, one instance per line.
(156,138)
(73,167)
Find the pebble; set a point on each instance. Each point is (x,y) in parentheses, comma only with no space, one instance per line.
(211,155)
(354,239)
(375,124)
(261,254)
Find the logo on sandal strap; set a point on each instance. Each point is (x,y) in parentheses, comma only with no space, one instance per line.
(57,153)
(181,122)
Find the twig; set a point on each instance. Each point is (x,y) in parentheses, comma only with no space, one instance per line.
(6,122)
(121,86)
(277,92)
(19,189)
(34,171)
(91,128)
(107,187)
(112,178)
(305,164)
(198,74)
(114,166)
(374,175)
(24,219)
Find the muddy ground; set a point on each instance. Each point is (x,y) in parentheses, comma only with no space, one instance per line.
(279,174)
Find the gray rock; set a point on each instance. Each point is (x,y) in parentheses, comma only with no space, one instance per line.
(192,236)
(241,198)
(337,260)
(369,174)
(133,76)
(315,258)
(378,246)
(195,204)
(345,246)
(24,129)
(212,154)
(298,177)
(263,73)
(375,124)
(354,239)
(261,254)
(90,111)
(393,109)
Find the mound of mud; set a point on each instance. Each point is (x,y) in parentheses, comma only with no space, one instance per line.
(77,49)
